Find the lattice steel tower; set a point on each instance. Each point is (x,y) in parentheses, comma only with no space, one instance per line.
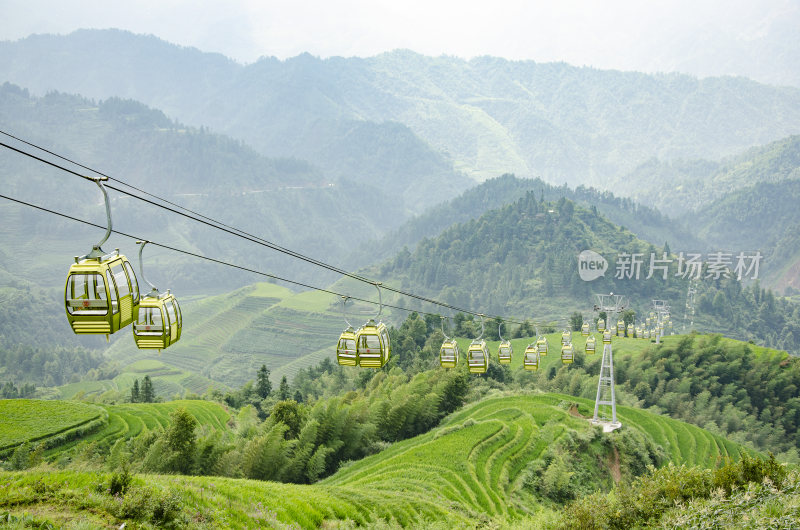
(661,309)
(612,304)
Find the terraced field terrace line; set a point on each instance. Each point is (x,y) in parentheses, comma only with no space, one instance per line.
(468,470)
(34,420)
(477,463)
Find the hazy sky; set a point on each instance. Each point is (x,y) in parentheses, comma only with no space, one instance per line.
(649,35)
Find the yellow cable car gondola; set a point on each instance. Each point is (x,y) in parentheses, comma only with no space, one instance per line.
(478,357)
(591,345)
(585,329)
(346,353)
(601,325)
(566,337)
(505,350)
(478,354)
(607,336)
(101,295)
(160,320)
(566,353)
(621,328)
(541,346)
(531,359)
(448,353)
(630,330)
(372,341)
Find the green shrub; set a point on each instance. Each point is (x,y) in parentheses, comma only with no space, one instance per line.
(120,481)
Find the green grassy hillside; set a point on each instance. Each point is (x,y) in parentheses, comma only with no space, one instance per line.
(480,466)
(62,425)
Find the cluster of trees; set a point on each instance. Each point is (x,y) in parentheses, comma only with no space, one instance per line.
(521,257)
(725,387)
(567,469)
(750,312)
(643,502)
(9,390)
(145,394)
(49,366)
(301,442)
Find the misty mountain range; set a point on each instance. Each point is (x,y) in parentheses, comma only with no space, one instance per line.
(482,117)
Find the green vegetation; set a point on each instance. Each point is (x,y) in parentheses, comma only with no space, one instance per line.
(521,258)
(88,433)
(646,499)
(501,460)
(25,420)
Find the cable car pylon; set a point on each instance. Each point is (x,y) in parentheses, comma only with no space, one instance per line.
(611,304)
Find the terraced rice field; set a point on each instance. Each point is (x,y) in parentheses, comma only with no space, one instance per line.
(477,459)
(30,420)
(123,421)
(467,472)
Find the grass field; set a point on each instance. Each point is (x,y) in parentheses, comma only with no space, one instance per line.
(469,470)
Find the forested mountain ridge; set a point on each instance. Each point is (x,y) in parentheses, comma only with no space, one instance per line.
(647,223)
(522,259)
(490,115)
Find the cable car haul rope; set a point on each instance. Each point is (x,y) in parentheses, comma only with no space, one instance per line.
(102,296)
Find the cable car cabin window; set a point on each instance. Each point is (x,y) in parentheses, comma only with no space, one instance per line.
(178,312)
(173,318)
(86,294)
(371,342)
(113,290)
(134,284)
(149,317)
(122,280)
(448,353)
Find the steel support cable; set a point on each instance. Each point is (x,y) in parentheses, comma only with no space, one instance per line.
(200,217)
(214,260)
(235,231)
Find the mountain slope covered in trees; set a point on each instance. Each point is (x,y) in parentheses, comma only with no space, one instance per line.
(647,223)
(521,259)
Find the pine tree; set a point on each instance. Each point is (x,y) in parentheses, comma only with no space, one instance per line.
(135,397)
(263,385)
(283,390)
(181,440)
(147,393)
